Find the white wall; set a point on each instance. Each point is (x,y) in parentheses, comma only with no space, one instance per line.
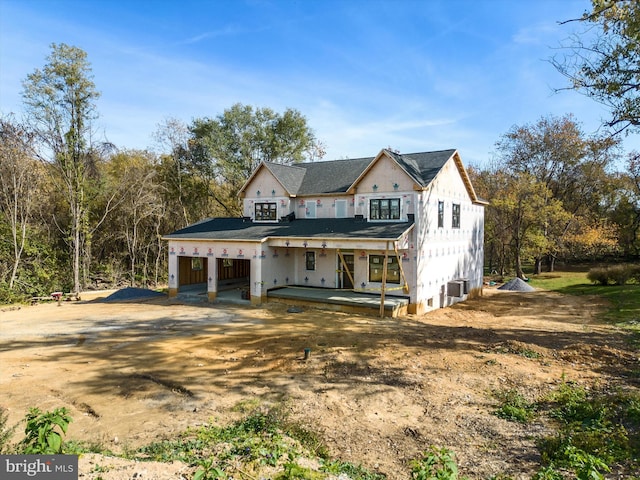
(447,253)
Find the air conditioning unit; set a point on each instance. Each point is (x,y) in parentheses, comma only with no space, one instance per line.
(465,284)
(455,288)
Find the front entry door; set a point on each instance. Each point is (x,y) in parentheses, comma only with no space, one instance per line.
(345,281)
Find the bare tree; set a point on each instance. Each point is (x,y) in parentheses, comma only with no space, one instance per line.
(18,185)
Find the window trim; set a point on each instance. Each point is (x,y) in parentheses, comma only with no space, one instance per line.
(390,209)
(440,214)
(313,212)
(393,275)
(455,215)
(272,207)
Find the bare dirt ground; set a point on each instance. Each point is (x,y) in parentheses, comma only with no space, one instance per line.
(378,391)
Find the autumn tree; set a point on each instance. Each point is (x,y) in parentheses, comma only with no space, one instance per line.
(60,101)
(489,182)
(570,165)
(520,211)
(604,62)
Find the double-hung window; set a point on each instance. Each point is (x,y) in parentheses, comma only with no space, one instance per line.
(384,209)
(266,211)
(440,214)
(455,216)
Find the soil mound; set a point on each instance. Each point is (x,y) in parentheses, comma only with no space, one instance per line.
(517,285)
(129,294)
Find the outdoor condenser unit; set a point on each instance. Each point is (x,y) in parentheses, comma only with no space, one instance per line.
(455,288)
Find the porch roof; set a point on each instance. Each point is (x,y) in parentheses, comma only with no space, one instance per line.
(330,228)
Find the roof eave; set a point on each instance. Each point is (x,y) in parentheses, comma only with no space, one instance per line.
(241,192)
(465,178)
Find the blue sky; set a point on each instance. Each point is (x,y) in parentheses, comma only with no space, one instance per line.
(367,74)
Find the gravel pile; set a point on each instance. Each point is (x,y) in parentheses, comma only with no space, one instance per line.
(517,285)
(130,294)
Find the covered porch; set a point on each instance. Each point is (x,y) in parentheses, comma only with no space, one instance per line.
(340,300)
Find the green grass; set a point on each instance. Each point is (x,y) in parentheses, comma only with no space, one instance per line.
(623,300)
(556,281)
(597,429)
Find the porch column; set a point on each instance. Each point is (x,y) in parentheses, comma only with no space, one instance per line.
(212,280)
(173,273)
(255,278)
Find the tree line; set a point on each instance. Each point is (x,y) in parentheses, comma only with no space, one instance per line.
(77,212)
(556,193)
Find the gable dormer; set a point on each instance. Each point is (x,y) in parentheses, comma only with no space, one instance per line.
(264,195)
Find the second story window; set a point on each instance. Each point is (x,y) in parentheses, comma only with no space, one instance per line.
(384,209)
(455,216)
(266,211)
(440,214)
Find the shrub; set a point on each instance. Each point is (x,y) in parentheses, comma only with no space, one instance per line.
(620,274)
(41,434)
(635,273)
(616,274)
(598,275)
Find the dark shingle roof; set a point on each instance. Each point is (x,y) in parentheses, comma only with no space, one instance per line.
(423,167)
(336,176)
(290,176)
(239,229)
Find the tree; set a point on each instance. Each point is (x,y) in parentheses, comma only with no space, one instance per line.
(626,214)
(227,149)
(604,63)
(573,167)
(140,211)
(520,211)
(172,136)
(19,178)
(489,183)
(60,101)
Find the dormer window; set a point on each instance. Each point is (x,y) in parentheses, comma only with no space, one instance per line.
(384,209)
(266,211)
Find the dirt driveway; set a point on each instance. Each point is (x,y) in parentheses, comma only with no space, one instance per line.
(379,391)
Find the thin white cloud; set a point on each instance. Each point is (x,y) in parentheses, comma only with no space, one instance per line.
(537,34)
(227,31)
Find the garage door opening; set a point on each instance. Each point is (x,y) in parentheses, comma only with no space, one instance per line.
(233,279)
(192,275)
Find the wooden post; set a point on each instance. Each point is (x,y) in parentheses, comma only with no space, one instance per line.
(384,279)
(405,285)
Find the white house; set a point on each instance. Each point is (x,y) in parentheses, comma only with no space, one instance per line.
(395,225)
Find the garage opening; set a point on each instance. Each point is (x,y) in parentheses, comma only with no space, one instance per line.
(233,278)
(192,273)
